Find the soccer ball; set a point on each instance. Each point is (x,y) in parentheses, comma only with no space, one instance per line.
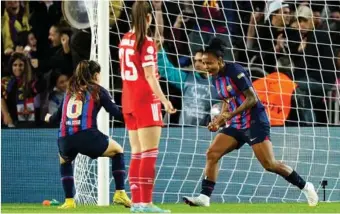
(215,111)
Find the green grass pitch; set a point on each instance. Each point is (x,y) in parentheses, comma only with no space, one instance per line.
(182,208)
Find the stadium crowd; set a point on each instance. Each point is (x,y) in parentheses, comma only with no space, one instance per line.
(298,41)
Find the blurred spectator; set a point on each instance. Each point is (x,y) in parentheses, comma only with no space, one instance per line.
(54,36)
(304,20)
(267,33)
(333,25)
(59,56)
(27,43)
(179,34)
(198,94)
(314,73)
(18,92)
(292,42)
(14,20)
(59,84)
(212,17)
(44,14)
(317,8)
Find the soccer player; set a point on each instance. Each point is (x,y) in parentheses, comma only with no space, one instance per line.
(79,133)
(247,123)
(141,102)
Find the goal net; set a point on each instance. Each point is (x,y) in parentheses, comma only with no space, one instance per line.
(289,48)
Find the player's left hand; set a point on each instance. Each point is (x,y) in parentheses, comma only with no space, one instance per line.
(169,108)
(47,118)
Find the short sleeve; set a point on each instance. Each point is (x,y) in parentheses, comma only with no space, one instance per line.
(240,77)
(148,53)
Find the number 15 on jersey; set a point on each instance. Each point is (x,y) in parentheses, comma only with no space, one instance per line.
(127,67)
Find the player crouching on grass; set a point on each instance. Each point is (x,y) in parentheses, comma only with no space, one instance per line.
(79,133)
(247,123)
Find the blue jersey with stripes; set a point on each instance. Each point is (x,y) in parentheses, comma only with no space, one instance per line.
(77,115)
(230,85)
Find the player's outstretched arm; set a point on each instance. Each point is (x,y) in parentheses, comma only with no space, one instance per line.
(56,116)
(108,103)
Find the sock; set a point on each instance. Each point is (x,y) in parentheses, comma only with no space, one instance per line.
(207,187)
(134,177)
(147,174)
(118,170)
(296,180)
(66,173)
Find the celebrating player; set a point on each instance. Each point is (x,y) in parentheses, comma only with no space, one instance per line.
(79,134)
(141,102)
(247,123)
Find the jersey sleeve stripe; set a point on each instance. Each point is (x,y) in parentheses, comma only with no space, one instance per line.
(149,58)
(146,64)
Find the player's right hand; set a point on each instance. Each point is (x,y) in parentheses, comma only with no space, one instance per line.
(47,118)
(169,108)
(213,127)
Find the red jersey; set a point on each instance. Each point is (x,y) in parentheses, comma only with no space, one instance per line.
(136,90)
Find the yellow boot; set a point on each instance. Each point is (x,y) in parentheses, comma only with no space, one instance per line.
(69,204)
(120,197)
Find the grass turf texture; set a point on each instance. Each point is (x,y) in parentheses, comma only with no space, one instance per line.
(182,208)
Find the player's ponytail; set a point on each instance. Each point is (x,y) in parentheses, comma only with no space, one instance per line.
(140,11)
(83,80)
(216,47)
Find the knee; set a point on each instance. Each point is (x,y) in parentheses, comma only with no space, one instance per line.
(62,160)
(213,156)
(119,149)
(113,149)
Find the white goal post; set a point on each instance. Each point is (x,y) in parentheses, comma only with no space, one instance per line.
(103,117)
(99,173)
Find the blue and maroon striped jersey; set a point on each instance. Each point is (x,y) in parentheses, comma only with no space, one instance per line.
(77,115)
(230,84)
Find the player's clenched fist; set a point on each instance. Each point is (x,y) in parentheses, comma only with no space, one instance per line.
(213,127)
(168,107)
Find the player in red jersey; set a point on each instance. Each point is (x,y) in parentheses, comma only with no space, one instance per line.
(142,98)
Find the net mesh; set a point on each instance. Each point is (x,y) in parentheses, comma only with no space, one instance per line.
(294,64)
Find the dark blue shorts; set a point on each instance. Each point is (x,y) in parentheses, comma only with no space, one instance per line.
(257,133)
(90,142)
